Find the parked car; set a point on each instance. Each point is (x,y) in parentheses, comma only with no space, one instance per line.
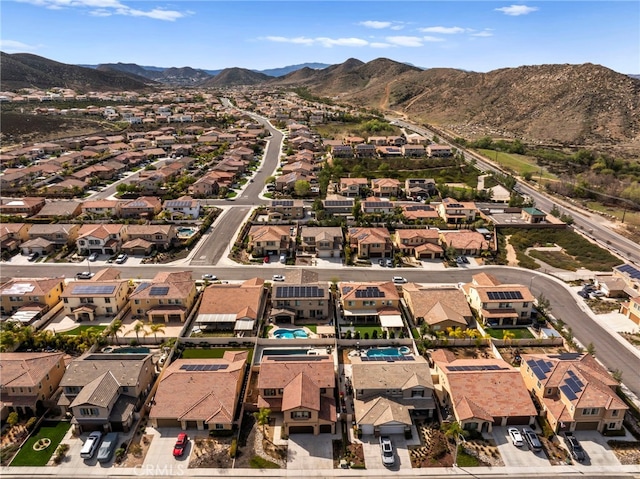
(107,447)
(381,262)
(532,439)
(399,280)
(122,258)
(389,263)
(283,258)
(462,260)
(209,277)
(386,449)
(516,437)
(597,294)
(84,275)
(584,294)
(33,256)
(577,452)
(180,445)
(93,256)
(266,259)
(277,277)
(90,446)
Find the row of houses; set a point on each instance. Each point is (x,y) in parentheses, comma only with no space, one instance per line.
(396,147)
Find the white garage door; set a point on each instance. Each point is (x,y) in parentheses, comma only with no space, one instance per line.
(384,430)
(367,428)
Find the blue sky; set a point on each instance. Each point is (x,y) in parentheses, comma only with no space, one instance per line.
(471,35)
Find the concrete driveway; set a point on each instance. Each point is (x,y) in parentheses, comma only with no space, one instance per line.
(309,452)
(372,453)
(598,451)
(517,456)
(160,453)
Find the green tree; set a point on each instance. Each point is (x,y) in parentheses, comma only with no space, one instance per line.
(155,328)
(13,418)
(301,188)
(114,328)
(270,179)
(507,336)
(262,417)
(454,431)
(591,349)
(138,328)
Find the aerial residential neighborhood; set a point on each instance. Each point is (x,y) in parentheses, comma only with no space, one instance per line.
(273,272)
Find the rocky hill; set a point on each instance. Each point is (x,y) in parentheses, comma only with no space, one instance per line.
(235,77)
(185,76)
(23,70)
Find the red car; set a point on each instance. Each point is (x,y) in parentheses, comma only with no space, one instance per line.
(266,259)
(181,444)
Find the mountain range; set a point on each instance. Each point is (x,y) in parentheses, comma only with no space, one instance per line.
(582,104)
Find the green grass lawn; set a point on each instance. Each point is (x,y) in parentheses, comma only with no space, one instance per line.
(77,330)
(368,329)
(466,460)
(28,457)
(519,333)
(257,462)
(212,353)
(520,164)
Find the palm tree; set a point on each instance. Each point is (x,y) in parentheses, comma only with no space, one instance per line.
(114,328)
(262,416)
(155,328)
(455,431)
(137,328)
(507,336)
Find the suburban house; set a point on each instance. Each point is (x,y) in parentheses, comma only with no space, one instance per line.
(476,391)
(302,389)
(169,297)
(201,394)
(54,235)
(631,309)
(612,286)
(414,212)
(266,240)
(464,242)
(389,393)
(438,151)
(386,187)
(364,150)
(420,187)
(574,391)
(439,308)
(413,151)
(420,243)
(184,207)
(28,299)
(499,304)
(145,207)
(283,210)
(103,391)
(232,307)
(60,209)
(101,238)
(293,303)
(453,211)
(338,205)
(28,381)
(101,208)
(12,235)
(27,206)
(323,241)
(631,276)
(352,186)
(377,303)
(370,242)
(145,238)
(377,206)
(533,215)
(87,300)
(341,151)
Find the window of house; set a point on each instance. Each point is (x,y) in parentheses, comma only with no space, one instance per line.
(109,310)
(614,413)
(269,392)
(300,415)
(219,426)
(107,300)
(525,305)
(417,393)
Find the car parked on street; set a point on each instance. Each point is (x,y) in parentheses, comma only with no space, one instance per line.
(515,436)
(387,452)
(84,275)
(209,277)
(277,277)
(180,445)
(577,452)
(399,280)
(532,439)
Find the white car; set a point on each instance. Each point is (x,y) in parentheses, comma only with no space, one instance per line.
(210,277)
(386,449)
(84,275)
(399,280)
(277,277)
(121,258)
(516,437)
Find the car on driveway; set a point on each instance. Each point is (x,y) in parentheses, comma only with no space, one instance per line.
(532,439)
(381,262)
(515,436)
(33,256)
(209,277)
(577,452)
(387,452)
(84,275)
(93,256)
(266,259)
(121,258)
(277,277)
(180,445)
(389,263)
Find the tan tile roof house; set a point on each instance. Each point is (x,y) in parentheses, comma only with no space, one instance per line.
(87,300)
(269,239)
(387,394)
(483,392)
(464,242)
(303,389)
(28,298)
(28,380)
(200,393)
(101,238)
(169,297)
(420,243)
(370,242)
(575,391)
(144,238)
(371,302)
(440,308)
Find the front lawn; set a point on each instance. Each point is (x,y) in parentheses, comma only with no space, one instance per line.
(518,333)
(212,353)
(77,330)
(29,457)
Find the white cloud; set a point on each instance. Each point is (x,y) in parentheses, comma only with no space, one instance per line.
(105,8)
(295,40)
(397,26)
(375,24)
(13,46)
(380,45)
(443,30)
(323,41)
(429,38)
(516,10)
(484,33)
(405,41)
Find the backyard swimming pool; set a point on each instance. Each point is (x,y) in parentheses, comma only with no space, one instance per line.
(290,334)
(186,232)
(384,352)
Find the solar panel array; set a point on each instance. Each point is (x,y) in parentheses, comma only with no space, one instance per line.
(141,287)
(338,203)
(299,292)
(490,367)
(493,295)
(540,367)
(370,292)
(94,289)
(137,204)
(632,271)
(282,203)
(387,359)
(203,367)
(178,204)
(374,204)
(455,205)
(572,386)
(158,290)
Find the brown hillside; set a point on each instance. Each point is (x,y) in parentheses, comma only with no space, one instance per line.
(235,77)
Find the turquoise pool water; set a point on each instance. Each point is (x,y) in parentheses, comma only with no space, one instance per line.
(384,352)
(290,334)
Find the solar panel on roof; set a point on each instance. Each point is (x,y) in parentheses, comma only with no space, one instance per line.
(203,367)
(299,292)
(568,392)
(282,202)
(338,203)
(632,271)
(539,374)
(159,290)
(94,289)
(504,295)
(370,292)
(178,204)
